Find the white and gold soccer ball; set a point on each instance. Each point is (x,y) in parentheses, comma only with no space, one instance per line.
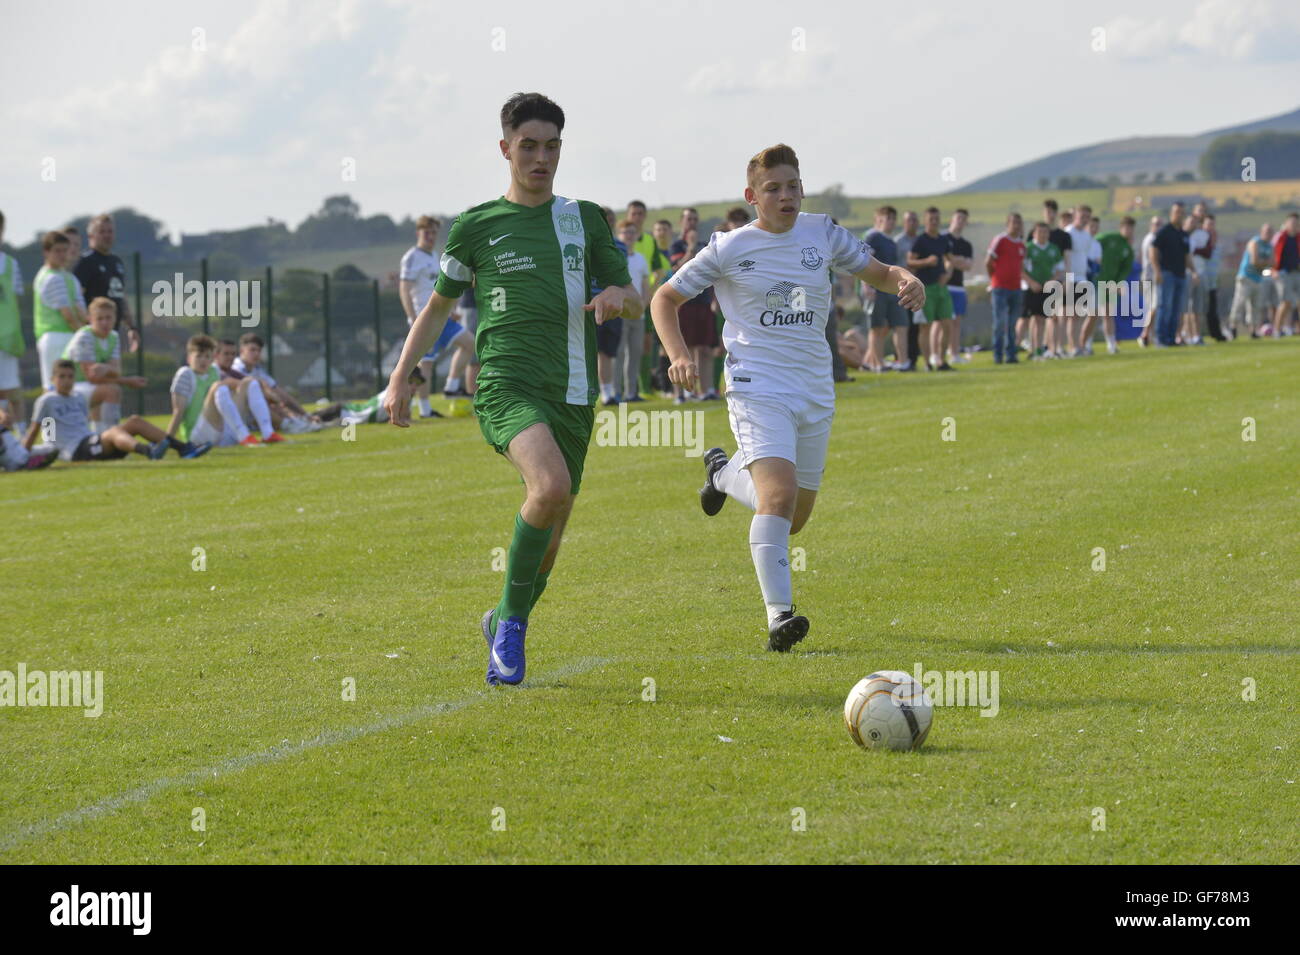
(888,710)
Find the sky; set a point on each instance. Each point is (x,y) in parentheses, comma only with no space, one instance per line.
(222,115)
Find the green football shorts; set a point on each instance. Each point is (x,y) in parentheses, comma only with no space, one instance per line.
(938,302)
(504,411)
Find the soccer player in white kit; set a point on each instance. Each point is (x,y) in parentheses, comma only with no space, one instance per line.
(772,281)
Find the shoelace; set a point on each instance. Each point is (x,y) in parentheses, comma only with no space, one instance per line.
(508,646)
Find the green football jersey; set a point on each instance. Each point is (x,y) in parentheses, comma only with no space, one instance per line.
(533,269)
(1041,261)
(1116,258)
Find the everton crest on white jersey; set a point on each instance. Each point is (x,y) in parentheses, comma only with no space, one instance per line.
(775,293)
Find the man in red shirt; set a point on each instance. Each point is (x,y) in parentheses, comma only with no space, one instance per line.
(1004,263)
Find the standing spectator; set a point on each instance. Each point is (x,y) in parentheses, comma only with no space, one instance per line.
(1248,296)
(1150,291)
(467,315)
(12,346)
(1198,238)
(1116,264)
(1059,237)
(627,366)
(1170,259)
(418,273)
(698,327)
(1044,262)
(1213,258)
(74,250)
(887,316)
(59,307)
(663,233)
(962,259)
(1076,275)
(101,273)
(632,344)
(610,332)
(903,241)
(1005,263)
(929,262)
(1286,265)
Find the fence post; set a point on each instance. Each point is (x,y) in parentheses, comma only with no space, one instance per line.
(269,308)
(325,311)
(379,342)
(139,330)
(203,278)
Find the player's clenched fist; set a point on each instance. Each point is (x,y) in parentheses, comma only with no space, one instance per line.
(911,294)
(608,304)
(684,372)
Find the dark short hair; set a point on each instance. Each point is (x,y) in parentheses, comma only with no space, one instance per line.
(636,204)
(663,222)
(962,212)
(738,214)
(200,344)
(690,209)
(522,107)
(51,239)
(887,211)
(1051,204)
(251,338)
(770,158)
(63,363)
(934,209)
(1128,220)
(227,341)
(1043,224)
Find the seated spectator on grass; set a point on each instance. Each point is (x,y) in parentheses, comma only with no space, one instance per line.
(70,420)
(296,419)
(15,457)
(250,397)
(97,352)
(203,408)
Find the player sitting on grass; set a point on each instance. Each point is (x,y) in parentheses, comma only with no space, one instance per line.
(15,457)
(203,408)
(97,352)
(770,280)
(75,441)
(295,419)
(532,256)
(250,397)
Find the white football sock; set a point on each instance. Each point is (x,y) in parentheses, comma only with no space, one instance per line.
(110,414)
(424,406)
(230,414)
(769,545)
(606,392)
(261,412)
(453,384)
(734,481)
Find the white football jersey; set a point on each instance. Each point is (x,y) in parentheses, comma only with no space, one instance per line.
(775,293)
(421,268)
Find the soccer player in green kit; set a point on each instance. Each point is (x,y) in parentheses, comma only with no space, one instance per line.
(532,257)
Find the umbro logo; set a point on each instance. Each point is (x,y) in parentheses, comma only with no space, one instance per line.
(748,265)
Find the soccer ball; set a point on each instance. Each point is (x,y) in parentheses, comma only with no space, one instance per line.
(888,710)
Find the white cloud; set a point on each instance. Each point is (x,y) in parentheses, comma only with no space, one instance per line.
(795,72)
(1240,30)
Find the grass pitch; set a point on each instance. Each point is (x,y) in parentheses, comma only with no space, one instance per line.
(1121,690)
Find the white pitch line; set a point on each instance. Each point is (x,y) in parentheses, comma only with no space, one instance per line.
(141,794)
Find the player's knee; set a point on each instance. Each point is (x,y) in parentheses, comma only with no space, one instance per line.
(133,420)
(550,493)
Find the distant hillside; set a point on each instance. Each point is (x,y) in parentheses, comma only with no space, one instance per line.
(1125,157)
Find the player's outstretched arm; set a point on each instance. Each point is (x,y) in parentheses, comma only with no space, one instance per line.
(419,339)
(663,312)
(896,281)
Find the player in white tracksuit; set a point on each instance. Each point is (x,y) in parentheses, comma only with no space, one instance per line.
(772,282)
